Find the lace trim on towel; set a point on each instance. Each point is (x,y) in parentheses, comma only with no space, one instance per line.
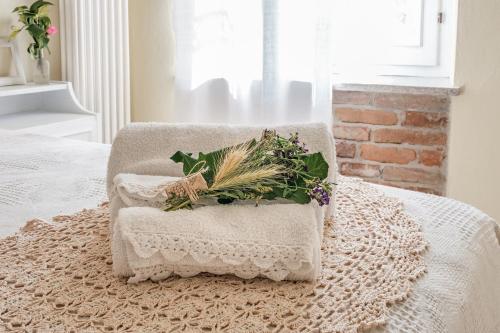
(142,195)
(250,258)
(156,195)
(277,271)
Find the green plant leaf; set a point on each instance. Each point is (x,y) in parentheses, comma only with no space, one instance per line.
(276,193)
(300,196)
(186,159)
(210,160)
(14,33)
(20,9)
(44,42)
(36,31)
(45,21)
(316,165)
(38,4)
(43,11)
(225,201)
(31,49)
(191,164)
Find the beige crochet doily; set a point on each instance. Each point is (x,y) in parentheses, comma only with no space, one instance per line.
(57,278)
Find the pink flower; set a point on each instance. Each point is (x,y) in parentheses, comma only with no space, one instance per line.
(52,30)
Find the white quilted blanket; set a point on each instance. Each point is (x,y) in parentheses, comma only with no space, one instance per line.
(461,292)
(41,177)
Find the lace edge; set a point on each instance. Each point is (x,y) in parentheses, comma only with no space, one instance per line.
(160,272)
(301,254)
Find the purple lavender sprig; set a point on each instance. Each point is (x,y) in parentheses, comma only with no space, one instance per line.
(299,146)
(321,192)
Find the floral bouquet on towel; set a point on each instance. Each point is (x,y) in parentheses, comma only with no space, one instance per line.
(270,168)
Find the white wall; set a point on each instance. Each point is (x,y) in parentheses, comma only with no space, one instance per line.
(7,19)
(151,52)
(151,59)
(474,154)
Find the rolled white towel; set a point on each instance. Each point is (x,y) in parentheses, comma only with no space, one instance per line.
(141,190)
(278,241)
(131,190)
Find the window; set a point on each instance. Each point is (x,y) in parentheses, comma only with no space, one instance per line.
(367,41)
(393,38)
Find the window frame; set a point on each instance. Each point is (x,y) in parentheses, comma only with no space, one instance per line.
(440,75)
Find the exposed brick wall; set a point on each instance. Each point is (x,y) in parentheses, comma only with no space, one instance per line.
(397,139)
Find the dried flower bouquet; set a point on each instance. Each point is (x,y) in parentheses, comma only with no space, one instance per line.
(269,168)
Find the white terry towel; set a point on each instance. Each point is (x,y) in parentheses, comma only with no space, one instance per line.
(275,240)
(141,190)
(131,190)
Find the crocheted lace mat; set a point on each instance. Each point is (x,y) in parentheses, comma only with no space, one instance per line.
(57,278)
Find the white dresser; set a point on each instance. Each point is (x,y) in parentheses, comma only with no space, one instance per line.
(50,109)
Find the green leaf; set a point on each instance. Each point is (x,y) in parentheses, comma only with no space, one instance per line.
(189,163)
(43,11)
(32,49)
(36,31)
(19,9)
(45,21)
(44,42)
(211,160)
(316,165)
(14,33)
(276,193)
(300,196)
(225,201)
(38,4)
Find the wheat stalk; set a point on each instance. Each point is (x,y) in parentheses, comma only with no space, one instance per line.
(232,160)
(237,169)
(247,178)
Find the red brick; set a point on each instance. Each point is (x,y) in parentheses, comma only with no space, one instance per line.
(375,117)
(360,170)
(351,97)
(426,119)
(351,133)
(345,149)
(416,137)
(431,157)
(412,102)
(387,154)
(411,175)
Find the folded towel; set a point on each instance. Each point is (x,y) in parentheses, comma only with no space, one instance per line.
(131,190)
(279,239)
(274,241)
(142,190)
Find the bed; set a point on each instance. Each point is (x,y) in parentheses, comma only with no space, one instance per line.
(41,177)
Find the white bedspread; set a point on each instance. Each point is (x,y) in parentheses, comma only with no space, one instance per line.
(461,291)
(41,177)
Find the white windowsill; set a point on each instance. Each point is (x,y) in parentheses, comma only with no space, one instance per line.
(397,84)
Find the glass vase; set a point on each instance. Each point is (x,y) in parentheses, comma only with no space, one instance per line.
(41,69)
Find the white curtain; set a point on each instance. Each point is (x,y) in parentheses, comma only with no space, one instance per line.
(252,62)
(95,58)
